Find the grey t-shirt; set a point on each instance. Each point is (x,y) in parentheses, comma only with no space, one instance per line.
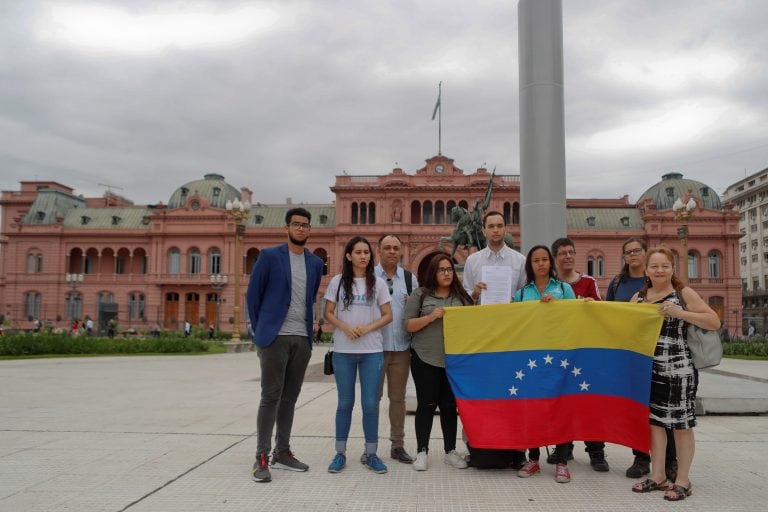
(295,323)
(428,342)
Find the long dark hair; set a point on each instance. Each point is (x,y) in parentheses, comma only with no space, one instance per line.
(624,274)
(430,283)
(666,251)
(529,276)
(348,273)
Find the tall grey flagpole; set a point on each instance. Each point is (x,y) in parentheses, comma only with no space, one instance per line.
(439,112)
(542,125)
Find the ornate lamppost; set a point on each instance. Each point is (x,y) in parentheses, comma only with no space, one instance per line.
(237,211)
(74,281)
(683,213)
(218,283)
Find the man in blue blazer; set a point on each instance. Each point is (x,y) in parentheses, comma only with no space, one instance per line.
(281,293)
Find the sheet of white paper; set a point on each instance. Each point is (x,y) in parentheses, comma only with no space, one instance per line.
(498,282)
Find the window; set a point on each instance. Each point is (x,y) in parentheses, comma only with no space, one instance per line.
(753,214)
(34,263)
(363,213)
(32,305)
(427,212)
(515,213)
(507,213)
(258,219)
(174,261)
(216,197)
(85,220)
(120,264)
(371,213)
(354,213)
(600,266)
(625,221)
(591,266)
(116,220)
(693,264)
(743,247)
(439,212)
(323,219)
(754,258)
(591,221)
(74,303)
(194,261)
(670,191)
(214,262)
(135,306)
(755,284)
(743,261)
(106,298)
(765,258)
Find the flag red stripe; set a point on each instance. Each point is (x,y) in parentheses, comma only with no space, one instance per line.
(525,424)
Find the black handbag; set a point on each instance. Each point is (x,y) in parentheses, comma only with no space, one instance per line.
(328,363)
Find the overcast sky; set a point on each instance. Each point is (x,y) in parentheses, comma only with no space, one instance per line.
(282,96)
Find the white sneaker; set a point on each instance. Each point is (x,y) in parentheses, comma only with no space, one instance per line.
(420,464)
(454,459)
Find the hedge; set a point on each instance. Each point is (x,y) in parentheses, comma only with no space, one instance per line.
(26,344)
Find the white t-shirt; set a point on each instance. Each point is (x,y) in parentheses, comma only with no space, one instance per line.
(360,312)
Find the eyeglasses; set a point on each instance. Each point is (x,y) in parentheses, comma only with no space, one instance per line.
(300,225)
(445,270)
(566,253)
(632,252)
(390,285)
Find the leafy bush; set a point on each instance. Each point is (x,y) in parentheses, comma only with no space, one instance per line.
(25,344)
(755,347)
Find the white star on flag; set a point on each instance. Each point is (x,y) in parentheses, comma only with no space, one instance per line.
(513,391)
(564,363)
(548,359)
(531,364)
(519,374)
(576,371)
(584,386)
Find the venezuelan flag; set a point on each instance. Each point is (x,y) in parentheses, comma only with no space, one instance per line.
(532,374)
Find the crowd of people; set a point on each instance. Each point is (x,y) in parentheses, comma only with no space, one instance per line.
(385,325)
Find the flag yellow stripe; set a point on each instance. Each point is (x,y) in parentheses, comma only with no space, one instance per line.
(557,325)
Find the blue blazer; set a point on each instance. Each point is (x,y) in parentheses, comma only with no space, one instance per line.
(269,292)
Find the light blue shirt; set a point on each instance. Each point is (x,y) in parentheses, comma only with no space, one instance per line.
(395,337)
(557,289)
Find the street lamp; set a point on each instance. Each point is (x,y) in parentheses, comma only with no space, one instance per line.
(683,213)
(73,280)
(218,283)
(237,211)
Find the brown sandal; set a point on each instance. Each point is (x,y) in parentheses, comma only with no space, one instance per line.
(678,492)
(649,485)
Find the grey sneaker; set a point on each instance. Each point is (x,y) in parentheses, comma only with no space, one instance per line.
(286,460)
(261,469)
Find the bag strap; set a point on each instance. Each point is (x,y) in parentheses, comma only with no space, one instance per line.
(408,281)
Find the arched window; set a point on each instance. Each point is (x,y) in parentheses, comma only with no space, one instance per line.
(250,259)
(371,213)
(363,213)
(427,212)
(439,212)
(507,214)
(600,266)
(174,261)
(320,253)
(135,306)
(34,263)
(32,302)
(463,203)
(596,266)
(714,265)
(515,213)
(693,264)
(194,261)
(354,213)
(415,212)
(214,261)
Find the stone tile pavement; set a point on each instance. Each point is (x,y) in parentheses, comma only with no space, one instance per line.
(176,433)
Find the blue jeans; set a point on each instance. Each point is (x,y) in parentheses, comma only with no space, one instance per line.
(345,367)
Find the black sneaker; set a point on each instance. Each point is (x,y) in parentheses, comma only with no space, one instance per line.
(399,454)
(286,460)
(670,468)
(598,462)
(551,459)
(261,469)
(639,468)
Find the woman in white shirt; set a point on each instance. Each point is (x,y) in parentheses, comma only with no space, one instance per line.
(358,306)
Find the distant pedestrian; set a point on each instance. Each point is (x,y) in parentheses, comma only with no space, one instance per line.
(89,326)
(36,325)
(211,331)
(187,328)
(111,328)
(751,330)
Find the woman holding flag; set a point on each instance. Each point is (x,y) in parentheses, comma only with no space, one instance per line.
(542,285)
(423,318)
(674,379)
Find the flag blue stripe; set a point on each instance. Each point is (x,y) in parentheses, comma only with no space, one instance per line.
(495,375)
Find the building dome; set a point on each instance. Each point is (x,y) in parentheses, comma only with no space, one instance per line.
(673,186)
(212,188)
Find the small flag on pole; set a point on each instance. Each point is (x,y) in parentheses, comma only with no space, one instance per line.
(437,105)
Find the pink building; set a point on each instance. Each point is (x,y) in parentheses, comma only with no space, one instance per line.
(152,264)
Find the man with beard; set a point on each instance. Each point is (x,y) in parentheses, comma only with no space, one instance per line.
(281,294)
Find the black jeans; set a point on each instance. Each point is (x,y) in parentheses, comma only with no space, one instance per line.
(561,453)
(283,365)
(433,391)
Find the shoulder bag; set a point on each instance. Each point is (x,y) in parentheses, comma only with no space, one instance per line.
(706,346)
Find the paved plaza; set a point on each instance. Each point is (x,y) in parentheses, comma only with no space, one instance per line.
(176,433)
